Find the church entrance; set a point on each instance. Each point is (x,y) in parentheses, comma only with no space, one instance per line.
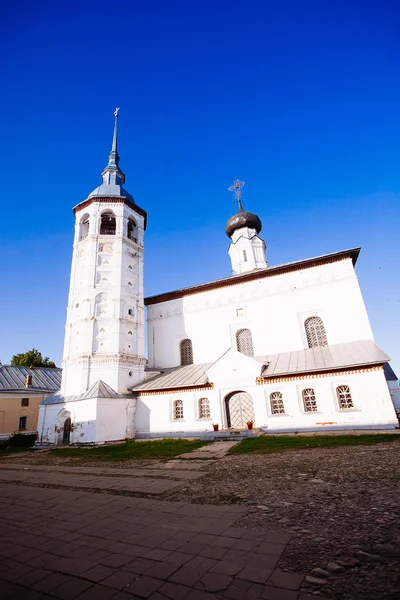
(66,431)
(239,409)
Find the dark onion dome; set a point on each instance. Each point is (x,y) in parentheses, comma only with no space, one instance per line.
(242,219)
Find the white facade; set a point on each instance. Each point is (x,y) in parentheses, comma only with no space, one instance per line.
(373,408)
(274,308)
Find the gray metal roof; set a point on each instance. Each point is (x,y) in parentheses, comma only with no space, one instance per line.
(44,379)
(311,360)
(176,377)
(97,390)
(328,358)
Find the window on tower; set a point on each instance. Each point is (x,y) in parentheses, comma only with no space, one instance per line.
(186,352)
(132,230)
(107,223)
(84,227)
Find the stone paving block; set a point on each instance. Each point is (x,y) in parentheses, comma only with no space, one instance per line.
(227,568)
(139,566)
(273,593)
(144,586)
(156,553)
(275,537)
(174,591)
(188,576)
(245,545)
(215,582)
(70,566)
(98,592)
(161,570)
(265,561)
(71,588)
(178,558)
(10,590)
(119,580)
(213,552)
(15,573)
(50,582)
(32,577)
(27,593)
(115,560)
(283,579)
(255,574)
(97,574)
(270,548)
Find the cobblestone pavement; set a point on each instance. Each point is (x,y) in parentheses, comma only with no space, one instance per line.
(85,533)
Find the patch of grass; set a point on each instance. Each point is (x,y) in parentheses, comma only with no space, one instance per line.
(131,450)
(280,443)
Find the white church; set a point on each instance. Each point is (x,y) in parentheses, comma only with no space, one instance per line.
(280,348)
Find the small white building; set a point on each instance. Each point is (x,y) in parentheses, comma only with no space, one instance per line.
(287,347)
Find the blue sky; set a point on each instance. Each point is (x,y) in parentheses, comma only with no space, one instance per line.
(299,99)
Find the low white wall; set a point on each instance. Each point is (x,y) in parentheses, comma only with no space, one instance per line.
(373,407)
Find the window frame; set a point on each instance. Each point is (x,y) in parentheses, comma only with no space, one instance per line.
(24,402)
(305,321)
(199,417)
(182,363)
(302,389)
(23,418)
(269,393)
(336,386)
(237,332)
(174,403)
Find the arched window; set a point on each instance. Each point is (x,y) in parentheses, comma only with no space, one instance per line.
(277,406)
(131,230)
(107,223)
(244,342)
(178,410)
(84,227)
(186,352)
(204,408)
(130,312)
(315,332)
(344,397)
(309,400)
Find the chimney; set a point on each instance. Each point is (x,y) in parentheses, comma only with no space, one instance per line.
(28,381)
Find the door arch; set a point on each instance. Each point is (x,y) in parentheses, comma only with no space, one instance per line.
(66,431)
(239,409)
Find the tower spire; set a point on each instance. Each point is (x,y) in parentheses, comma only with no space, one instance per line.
(112,174)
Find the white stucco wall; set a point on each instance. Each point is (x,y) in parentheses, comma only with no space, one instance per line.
(273,308)
(373,407)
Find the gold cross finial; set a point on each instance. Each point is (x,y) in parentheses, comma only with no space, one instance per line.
(237,188)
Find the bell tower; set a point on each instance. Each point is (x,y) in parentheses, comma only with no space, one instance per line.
(104,337)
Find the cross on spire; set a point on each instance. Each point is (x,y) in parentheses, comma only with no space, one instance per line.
(237,188)
(112,174)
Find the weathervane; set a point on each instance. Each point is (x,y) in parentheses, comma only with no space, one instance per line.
(237,188)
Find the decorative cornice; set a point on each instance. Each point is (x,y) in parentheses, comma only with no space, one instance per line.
(256,274)
(199,388)
(112,200)
(304,376)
